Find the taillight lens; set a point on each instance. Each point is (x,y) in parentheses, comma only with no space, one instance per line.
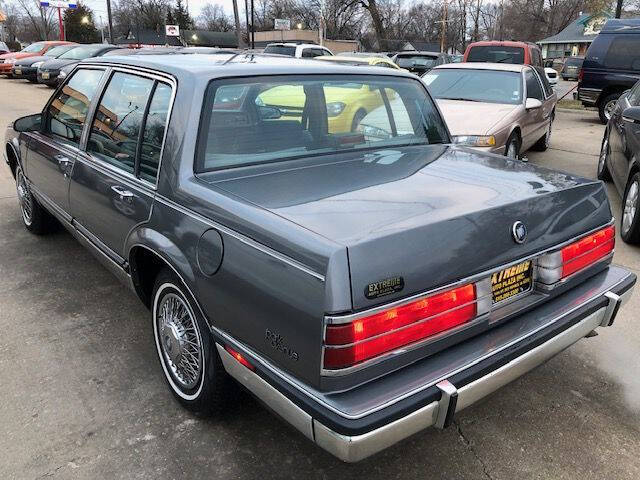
(580,75)
(369,336)
(577,256)
(588,250)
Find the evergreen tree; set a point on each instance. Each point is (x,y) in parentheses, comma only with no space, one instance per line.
(80,25)
(182,17)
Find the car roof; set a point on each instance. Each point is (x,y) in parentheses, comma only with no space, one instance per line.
(501,43)
(294,44)
(419,52)
(505,67)
(354,60)
(246,64)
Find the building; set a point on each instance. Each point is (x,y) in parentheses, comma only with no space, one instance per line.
(575,39)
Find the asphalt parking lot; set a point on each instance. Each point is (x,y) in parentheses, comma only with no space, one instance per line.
(83,396)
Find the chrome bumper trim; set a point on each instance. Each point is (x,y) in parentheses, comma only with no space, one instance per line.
(357,447)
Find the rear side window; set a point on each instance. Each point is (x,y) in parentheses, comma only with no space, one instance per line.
(496,54)
(546,86)
(534,90)
(118,120)
(277,118)
(623,53)
(154,132)
(68,110)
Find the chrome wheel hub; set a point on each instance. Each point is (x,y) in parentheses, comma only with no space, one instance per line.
(24,198)
(179,341)
(608,109)
(630,207)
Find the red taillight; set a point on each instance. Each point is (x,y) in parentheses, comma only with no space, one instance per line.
(239,357)
(373,335)
(588,250)
(580,74)
(553,267)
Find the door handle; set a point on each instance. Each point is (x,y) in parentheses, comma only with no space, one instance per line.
(63,163)
(123,193)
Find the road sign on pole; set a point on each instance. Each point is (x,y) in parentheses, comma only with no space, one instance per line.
(60,6)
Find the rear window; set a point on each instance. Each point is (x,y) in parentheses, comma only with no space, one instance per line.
(496,54)
(281,50)
(574,62)
(271,119)
(416,61)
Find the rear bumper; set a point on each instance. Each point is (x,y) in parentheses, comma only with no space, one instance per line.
(355,437)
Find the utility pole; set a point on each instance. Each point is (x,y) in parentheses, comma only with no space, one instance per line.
(246,19)
(110,21)
(444,26)
(619,9)
(253,36)
(237,19)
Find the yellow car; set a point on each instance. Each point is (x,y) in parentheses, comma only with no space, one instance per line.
(347,103)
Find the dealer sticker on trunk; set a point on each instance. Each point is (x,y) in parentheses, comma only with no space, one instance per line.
(512,281)
(384,287)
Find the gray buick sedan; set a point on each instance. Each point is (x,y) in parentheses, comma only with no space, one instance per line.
(360,275)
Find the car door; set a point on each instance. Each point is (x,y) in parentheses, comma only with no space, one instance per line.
(53,150)
(535,120)
(617,142)
(113,183)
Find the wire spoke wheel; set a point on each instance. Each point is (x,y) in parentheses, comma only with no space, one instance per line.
(179,341)
(630,207)
(25,199)
(608,108)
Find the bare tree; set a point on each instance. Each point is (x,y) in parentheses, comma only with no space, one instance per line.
(39,18)
(213,17)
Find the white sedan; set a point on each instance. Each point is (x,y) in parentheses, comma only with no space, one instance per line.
(552,75)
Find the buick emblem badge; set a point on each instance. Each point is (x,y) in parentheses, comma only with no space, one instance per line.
(519,232)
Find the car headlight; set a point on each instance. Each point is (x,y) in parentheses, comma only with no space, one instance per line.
(335,108)
(475,140)
(62,74)
(36,64)
(10,60)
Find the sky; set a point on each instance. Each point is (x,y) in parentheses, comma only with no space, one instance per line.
(99,7)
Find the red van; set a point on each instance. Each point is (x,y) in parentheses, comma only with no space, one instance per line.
(504,52)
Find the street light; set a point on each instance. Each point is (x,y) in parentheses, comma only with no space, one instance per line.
(299,26)
(85,20)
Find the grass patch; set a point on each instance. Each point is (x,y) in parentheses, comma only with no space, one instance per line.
(571,104)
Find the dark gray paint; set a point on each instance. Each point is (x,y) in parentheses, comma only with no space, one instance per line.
(286,260)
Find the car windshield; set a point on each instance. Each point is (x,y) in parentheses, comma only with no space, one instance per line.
(493,86)
(34,47)
(416,61)
(496,54)
(252,122)
(281,50)
(57,51)
(80,53)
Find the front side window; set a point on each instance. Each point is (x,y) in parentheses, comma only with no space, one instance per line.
(277,118)
(533,86)
(68,110)
(492,86)
(496,54)
(118,120)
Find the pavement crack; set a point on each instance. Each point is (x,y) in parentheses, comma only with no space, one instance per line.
(472,448)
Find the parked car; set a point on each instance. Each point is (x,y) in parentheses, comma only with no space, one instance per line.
(35,49)
(499,108)
(49,71)
(552,76)
(571,68)
(611,66)
(27,68)
(420,62)
(4,48)
(298,50)
(363,287)
(620,160)
(375,61)
(504,52)
(456,58)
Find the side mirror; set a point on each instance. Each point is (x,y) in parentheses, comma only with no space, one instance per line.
(532,103)
(631,114)
(30,123)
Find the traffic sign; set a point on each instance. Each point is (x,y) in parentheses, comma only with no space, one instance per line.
(58,4)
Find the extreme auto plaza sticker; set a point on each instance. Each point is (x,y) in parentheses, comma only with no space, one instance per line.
(511,281)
